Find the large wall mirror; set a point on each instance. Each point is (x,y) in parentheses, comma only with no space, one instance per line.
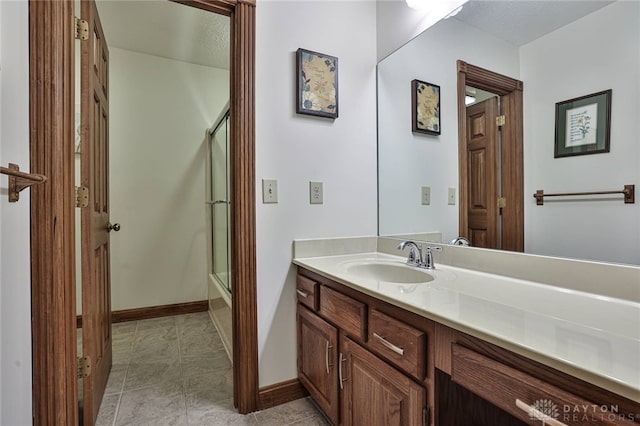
(560,50)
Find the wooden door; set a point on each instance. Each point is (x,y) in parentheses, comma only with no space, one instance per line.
(483,215)
(317,360)
(96,288)
(376,394)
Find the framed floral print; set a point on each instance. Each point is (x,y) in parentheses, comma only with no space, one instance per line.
(425,107)
(317,76)
(583,125)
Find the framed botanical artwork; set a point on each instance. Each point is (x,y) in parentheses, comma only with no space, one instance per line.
(425,107)
(317,76)
(583,125)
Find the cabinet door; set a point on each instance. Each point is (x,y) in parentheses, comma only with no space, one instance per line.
(374,393)
(317,360)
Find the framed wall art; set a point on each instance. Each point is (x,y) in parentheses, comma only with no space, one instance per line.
(425,107)
(583,125)
(317,76)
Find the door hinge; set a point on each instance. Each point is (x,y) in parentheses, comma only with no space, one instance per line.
(502,202)
(426,415)
(84,367)
(501,120)
(82,196)
(81,28)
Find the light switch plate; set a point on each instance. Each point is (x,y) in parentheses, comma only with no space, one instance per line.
(452,196)
(269,191)
(315,192)
(426,195)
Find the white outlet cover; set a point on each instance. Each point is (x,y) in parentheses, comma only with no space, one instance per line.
(269,191)
(425,195)
(452,196)
(315,193)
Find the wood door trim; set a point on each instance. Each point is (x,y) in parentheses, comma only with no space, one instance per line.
(51,112)
(510,91)
(280,393)
(148,312)
(51,118)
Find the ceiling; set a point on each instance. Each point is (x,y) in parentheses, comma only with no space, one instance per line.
(166,29)
(522,21)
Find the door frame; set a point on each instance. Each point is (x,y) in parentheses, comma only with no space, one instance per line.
(511,159)
(51,117)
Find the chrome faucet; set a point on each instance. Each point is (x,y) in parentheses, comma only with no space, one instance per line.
(460,241)
(428,258)
(415,253)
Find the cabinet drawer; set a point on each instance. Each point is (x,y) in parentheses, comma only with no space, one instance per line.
(347,313)
(400,343)
(306,292)
(526,397)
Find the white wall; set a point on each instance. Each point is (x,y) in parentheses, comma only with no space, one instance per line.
(397,23)
(296,149)
(159,111)
(409,160)
(595,53)
(15,279)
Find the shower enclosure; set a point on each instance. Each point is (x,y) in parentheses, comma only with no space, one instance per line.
(218,207)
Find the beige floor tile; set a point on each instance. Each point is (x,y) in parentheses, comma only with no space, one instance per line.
(157,350)
(151,403)
(197,364)
(107,412)
(116,379)
(151,335)
(204,392)
(156,323)
(177,420)
(143,374)
(193,344)
(124,327)
(315,420)
(286,414)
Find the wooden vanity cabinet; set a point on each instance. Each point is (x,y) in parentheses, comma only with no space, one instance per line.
(479,379)
(317,360)
(367,362)
(374,393)
(354,379)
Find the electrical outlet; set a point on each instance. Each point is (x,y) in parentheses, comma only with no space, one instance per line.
(452,196)
(269,191)
(426,195)
(315,192)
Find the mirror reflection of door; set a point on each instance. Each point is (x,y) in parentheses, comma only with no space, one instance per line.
(483,151)
(491,176)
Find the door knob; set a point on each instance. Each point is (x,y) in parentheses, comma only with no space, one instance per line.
(114,227)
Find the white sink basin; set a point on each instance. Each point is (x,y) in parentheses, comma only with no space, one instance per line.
(389,272)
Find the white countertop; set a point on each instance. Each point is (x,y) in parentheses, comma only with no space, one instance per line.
(593,337)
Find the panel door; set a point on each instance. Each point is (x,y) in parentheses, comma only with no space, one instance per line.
(96,288)
(482,173)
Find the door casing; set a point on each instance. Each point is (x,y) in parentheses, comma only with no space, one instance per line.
(51,116)
(510,92)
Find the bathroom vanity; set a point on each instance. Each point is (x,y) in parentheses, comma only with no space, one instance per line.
(379,350)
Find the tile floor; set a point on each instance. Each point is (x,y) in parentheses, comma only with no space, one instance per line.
(174,371)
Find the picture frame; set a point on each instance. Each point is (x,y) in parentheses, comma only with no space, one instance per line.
(583,125)
(425,108)
(317,83)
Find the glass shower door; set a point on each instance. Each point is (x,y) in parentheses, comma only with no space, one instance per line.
(219,201)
